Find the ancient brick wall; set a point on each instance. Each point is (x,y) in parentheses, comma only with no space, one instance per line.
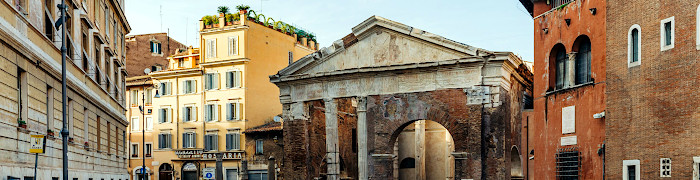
(652,109)
(347,137)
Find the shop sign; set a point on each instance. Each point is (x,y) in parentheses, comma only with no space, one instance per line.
(199,154)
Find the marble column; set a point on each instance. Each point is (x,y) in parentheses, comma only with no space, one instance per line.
(332,153)
(363,164)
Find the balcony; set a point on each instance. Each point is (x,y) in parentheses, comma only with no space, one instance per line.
(558,3)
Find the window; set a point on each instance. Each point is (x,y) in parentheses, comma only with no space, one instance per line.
(211,81)
(149,97)
(95,12)
(210,112)
(155,48)
(134,150)
(696,168)
(232,49)
(583,61)
(134,95)
(135,124)
(290,57)
(633,46)
(233,111)
(568,163)
(189,140)
(148,150)
(211,48)
(665,167)
(189,86)
(233,79)
(149,123)
(233,141)
(181,63)
(23,96)
(211,142)
(561,71)
(189,113)
(407,163)
(667,33)
(164,115)
(231,174)
(165,88)
(630,170)
(259,146)
(164,141)
(49,108)
(257,175)
(107,13)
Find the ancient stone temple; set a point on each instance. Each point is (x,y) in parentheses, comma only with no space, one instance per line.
(390,101)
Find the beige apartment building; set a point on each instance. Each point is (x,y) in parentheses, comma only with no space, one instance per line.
(209,96)
(30,88)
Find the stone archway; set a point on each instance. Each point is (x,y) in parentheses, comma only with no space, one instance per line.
(165,172)
(423,150)
(516,166)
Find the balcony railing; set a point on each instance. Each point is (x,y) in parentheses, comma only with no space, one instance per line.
(558,3)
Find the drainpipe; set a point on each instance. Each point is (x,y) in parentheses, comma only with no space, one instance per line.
(484,115)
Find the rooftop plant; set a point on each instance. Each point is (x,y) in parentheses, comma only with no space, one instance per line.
(222,10)
(232,17)
(242,7)
(208,20)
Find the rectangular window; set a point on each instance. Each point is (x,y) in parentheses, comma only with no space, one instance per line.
(290,57)
(259,146)
(233,111)
(211,81)
(181,63)
(232,49)
(210,112)
(257,175)
(164,115)
(211,48)
(164,141)
(233,79)
(568,163)
(23,94)
(135,124)
(667,33)
(189,140)
(211,142)
(189,113)
(665,168)
(156,47)
(635,45)
(148,150)
(149,97)
(189,86)
(134,150)
(630,170)
(165,88)
(233,141)
(134,95)
(49,108)
(231,174)
(149,123)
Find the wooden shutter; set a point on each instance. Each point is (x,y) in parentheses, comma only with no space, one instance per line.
(168,141)
(228,111)
(185,140)
(237,79)
(206,113)
(207,142)
(237,141)
(193,113)
(228,141)
(184,114)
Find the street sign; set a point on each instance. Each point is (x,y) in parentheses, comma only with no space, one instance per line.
(208,173)
(36,144)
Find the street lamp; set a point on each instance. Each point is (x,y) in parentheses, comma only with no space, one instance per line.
(142,108)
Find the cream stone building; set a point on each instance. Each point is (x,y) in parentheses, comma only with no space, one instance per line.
(30,88)
(209,96)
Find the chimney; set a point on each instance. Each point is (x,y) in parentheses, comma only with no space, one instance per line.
(201,25)
(304,42)
(243,19)
(222,21)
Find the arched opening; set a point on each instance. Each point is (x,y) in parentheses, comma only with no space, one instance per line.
(190,171)
(139,174)
(582,66)
(165,172)
(558,62)
(516,166)
(423,150)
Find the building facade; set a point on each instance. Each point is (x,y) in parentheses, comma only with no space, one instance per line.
(388,91)
(211,95)
(568,125)
(150,51)
(652,100)
(31,59)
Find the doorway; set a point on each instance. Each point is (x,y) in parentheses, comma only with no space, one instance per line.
(165,172)
(190,171)
(423,150)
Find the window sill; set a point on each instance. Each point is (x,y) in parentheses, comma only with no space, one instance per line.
(557,91)
(633,64)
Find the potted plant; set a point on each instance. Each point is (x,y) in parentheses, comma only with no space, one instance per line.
(134,155)
(243,9)
(49,132)
(223,10)
(86,144)
(207,21)
(22,124)
(215,21)
(230,18)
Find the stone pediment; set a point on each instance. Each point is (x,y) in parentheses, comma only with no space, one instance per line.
(380,42)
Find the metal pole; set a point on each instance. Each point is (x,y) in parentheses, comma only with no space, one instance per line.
(64,131)
(143,129)
(36,161)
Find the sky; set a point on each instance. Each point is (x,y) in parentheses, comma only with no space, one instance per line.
(496,25)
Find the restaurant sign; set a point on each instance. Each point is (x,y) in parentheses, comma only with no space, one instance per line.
(200,154)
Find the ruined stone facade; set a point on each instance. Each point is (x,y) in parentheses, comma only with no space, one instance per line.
(345,105)
(652,106)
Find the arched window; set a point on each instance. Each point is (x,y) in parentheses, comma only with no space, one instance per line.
(583,60)
(407,163)
(634,46)
(559,57)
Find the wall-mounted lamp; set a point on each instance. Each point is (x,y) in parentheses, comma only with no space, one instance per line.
(275,139)
(545,30)
(568,22)
(593,10)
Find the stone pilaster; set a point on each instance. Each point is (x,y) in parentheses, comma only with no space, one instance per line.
(570,77)
(332,153)
(362,138)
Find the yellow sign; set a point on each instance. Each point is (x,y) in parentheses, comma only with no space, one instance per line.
(36,144)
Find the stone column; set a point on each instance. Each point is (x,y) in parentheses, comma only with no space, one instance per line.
(420,149)
(363,164)
(570,77)
(332,153)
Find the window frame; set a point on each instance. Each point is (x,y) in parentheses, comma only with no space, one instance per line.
(696,167)
(236,113)
(236,76)
(630,47)
(261,149)
(165,141)
(192,113)
(233,49)
(134,151)
(192,86)
(214,78)
(167,114)
(662,28)
(235,140)
(149,150)
(191,140)
(625,164)
(149,125)
(214,114)
(135,126)
(213,143)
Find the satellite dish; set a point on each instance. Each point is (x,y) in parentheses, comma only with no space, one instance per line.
(147,70)
(277,119)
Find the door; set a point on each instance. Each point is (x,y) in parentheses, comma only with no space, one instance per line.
(231,174)
(190,175)
(165,176)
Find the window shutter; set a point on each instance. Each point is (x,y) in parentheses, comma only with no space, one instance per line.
(193,85)
(168,141)
(238,111)
(237,141)
(194,140)
(228,141)
(237,79)
(214,47)
(215,81)
(185,141)
(193,113)
(170,115)
(160,141)
(215,142)
(152,48)
(230,47)
(206,113)
(184,114)
(216,112)
(207,142)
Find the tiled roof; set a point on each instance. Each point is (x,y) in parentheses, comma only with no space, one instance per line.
(273,126)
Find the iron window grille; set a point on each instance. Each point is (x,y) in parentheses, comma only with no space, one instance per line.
(568,163)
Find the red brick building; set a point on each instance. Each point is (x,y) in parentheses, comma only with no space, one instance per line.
(567,127)
(652,89)
(148,50)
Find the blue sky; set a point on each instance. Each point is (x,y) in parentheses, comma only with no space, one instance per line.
(497,25)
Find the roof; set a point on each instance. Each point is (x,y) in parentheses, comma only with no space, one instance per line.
(528,5)
(272,126)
